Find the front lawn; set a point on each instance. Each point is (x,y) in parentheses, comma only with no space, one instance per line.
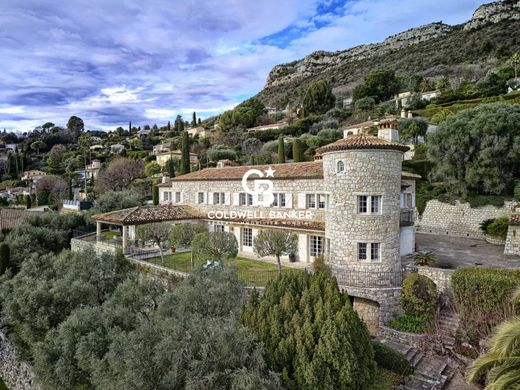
(251,272)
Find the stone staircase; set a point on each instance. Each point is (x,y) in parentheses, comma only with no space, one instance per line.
(447,325)
(430,372)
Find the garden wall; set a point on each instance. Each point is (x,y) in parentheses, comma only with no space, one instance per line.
(458,219)
(512,246)
(441,277)
(17,374)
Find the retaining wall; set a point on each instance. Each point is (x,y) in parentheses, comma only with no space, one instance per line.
(458,219)
(17,374)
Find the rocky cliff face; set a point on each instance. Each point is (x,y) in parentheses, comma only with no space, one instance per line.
(494,13)
(430,50)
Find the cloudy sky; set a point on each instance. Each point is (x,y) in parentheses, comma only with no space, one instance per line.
(111,61)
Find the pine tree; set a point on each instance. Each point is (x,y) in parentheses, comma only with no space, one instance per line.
(281,150)
(194,121)
(185,156)
(297,150)
(5,255)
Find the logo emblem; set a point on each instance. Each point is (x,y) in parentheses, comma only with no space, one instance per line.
(262,191)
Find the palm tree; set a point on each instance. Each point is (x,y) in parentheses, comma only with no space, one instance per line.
(502,362)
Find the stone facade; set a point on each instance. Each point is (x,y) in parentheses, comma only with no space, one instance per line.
(388,299)
(441,277)
(16,374)
(368,311)
(512,246)
(458,219)
(78,245)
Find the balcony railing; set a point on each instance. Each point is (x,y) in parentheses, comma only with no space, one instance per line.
(407,217)
(367,279)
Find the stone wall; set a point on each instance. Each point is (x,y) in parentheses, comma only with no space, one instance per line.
(387,298)
(458,219)
(17,375)
(441,277)
(416,340)
(512,246)
(368,311)
(78,245)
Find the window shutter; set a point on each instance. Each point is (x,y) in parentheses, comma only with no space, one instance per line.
(301,201)
(227,198)
(236,197)
(210,198)
(288,201)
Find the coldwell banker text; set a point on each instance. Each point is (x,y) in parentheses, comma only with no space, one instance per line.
(259,214)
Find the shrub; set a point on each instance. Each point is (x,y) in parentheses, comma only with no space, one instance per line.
(4,257)
(517,192)
(498,228)
(410,323)
(425,259)
(482,297)
(419,295)
(485,224)
(392,360)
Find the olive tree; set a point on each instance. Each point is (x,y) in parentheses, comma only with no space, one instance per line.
(158,233)
(183,234)
(214,246)
(275,243)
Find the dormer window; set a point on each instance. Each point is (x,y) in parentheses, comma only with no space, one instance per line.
(340,167)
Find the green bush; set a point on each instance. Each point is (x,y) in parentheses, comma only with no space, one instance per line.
(517,192)
(476,201)
(392,360)
(5,254)
(427,258)
(419,296)
(482,297)
(485,224)
(410,323)
(498,228)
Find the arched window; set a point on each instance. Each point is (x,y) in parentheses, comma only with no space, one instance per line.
(340,167)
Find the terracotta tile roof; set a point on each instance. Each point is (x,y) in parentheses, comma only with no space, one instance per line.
(362,141)
(10,218)
(515,220)
(148,214)
(303,170)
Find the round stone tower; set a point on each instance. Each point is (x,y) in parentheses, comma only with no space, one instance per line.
(362,174)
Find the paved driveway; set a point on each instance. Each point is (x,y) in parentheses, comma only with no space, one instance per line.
(455,252)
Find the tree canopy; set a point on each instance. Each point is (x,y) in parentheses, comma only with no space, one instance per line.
(318,99)
(478,150)
(379,84)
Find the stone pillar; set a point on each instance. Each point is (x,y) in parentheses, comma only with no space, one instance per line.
(98,229)
(125,238)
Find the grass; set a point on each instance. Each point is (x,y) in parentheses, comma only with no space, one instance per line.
(251,272)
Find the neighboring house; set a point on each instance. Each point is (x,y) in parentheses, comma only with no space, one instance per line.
(225,163)
(347,103)
(144,133)
(403,99)
(358,128)
(75,205)
(33,175)
(162,158)
(160,148)
(93,169)
(279,125)
(10,218)
(200,131)
(97,147)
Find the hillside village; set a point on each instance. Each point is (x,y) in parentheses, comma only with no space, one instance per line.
(353,233)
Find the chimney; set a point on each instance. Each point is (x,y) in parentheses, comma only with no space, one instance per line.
(403,113)
(388,130)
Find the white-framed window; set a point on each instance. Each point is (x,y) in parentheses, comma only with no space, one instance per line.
(166,196)
(218,198)
(279,200)
(407,200)
(177,197)
(219,228)
(317,201)
(200,197)
(340,166)
(316,245)
(369,251)
(245,199)
(247,237)
(369,204)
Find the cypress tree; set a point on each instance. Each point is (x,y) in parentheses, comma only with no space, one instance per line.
(155,194)
(5,255)
(69,188)
(194,121)
(297,150)
(185,156)
(28,201)
(170,167)
(130,127)
(281,150)
(199,121)
(168,126)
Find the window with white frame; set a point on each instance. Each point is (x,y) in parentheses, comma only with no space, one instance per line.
(369,251)
(177,197)
(166,196)
(316,245)
(218,198)
(219,228)
(247,237)
(279,200)
(245,199)
(340,167)
(317,201)
(407,200)
(200,197)
(369,204)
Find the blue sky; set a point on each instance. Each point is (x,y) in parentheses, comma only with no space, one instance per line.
(111,61)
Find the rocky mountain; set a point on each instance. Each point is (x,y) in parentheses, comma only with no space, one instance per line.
(465,51)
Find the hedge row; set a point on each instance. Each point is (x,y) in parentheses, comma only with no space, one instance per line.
(394,361)
(483,298)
